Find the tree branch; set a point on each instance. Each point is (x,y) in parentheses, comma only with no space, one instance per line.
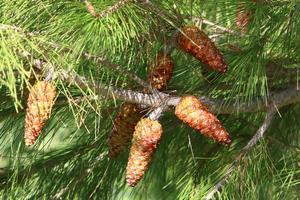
(255,139)
(281,98)
(95,58)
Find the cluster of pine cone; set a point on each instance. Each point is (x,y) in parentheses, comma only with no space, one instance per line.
(130,125)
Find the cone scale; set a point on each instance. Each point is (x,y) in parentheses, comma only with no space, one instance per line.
(145,140)
(39,105)
(193,112)
(195,42)
(123,128)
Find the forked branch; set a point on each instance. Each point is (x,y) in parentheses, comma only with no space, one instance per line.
(254,141)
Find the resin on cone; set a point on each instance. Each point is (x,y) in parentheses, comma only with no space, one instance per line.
(194,41)
(196,115)
(145,139)
(39,105)
(161,71)
(123,128)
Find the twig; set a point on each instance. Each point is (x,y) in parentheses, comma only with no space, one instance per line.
(90,8)
(85,174)
(257,137)
(205,21)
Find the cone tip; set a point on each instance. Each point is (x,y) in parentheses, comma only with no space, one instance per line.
(130,182)
(227,141)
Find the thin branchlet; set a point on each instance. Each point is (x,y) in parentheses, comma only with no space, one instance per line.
(254,141)
(114,8)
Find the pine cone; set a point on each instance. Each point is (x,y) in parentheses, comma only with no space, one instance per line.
(145,139)
(198,44)
(39,105)
(161,71)
(123,128)
(243,17)
(196,115)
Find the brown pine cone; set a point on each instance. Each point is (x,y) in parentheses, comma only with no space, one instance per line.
(196,115)
(242,19)
(39,105)
(123,128)
(197,43)
(161,71)
(145,139)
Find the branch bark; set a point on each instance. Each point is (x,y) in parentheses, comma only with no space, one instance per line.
(282,98)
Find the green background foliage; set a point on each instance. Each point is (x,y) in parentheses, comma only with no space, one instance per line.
(186,165)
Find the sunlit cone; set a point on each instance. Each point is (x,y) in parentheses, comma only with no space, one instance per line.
(145,139)
(194,41)
(123,128)
(161,71)
(39,105)
(196,115)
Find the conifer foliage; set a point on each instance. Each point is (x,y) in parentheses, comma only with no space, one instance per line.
(184,128)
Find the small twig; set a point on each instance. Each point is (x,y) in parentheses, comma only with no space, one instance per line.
(257,137)
(205,21)
(84,175)
(90,8)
